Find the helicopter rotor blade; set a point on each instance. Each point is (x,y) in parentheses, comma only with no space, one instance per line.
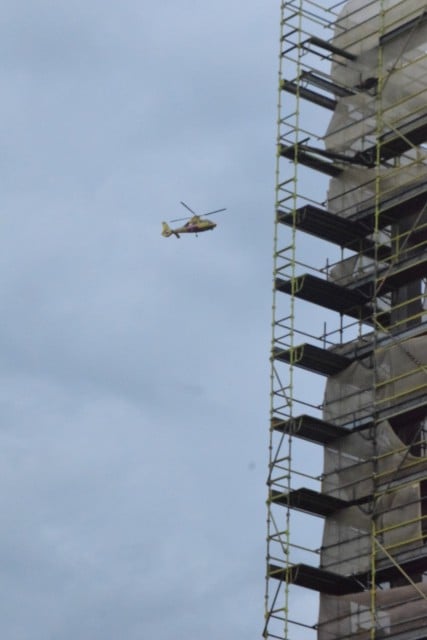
(210,213)
(187,207)
(180,219)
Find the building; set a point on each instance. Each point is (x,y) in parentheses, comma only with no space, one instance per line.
(347,501)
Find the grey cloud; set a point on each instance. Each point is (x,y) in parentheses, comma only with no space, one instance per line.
(134,369)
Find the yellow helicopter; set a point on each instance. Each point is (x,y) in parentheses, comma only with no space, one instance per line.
(195,224)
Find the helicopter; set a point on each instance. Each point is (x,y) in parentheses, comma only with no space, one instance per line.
(195,224)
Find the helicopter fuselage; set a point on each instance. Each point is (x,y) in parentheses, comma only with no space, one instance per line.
(196,224)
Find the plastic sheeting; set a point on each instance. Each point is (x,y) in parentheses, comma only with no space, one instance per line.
(354,467)
(400,70)
(398,610)
(352,464)
(364,462)
(372,469)
(346,547)
(398,374)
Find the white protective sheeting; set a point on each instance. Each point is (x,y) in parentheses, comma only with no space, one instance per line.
(400,374)
(362,462)
(373,469)
(359,119)
(401,610)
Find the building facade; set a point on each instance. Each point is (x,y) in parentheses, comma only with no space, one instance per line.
(347,501)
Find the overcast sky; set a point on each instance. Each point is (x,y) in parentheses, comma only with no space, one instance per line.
(134,369)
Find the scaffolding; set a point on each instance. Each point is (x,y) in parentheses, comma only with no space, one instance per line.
(347,481)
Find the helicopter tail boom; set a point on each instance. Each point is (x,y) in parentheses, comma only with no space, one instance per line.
(167,231)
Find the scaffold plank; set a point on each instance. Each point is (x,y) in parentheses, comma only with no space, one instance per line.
(313,358)
(394,144)
(329,295)
(328,46)
(327,226)
(309,501)
(396,206)
(412,409)
(308,94)
(411,562)
(297,153)
(352,299)
(317,579)
(326,83)
(387,278)
(404,28)
(309,428)
(364,346)
(329,582)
